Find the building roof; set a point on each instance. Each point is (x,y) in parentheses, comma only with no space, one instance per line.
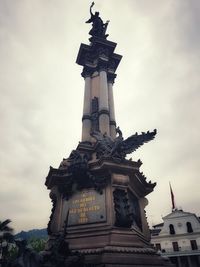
(158,225)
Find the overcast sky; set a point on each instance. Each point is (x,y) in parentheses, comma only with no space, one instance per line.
(41,93)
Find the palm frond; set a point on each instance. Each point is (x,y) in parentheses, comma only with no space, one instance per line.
(4,225)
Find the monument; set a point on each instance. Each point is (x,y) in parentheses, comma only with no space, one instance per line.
(98,195)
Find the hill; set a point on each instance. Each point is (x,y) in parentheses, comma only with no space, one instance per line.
(34,233)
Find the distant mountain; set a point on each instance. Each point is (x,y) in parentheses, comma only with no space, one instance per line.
(35,233)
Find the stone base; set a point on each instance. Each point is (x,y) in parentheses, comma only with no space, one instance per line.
(123,257)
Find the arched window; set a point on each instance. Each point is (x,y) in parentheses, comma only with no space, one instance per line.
(189,227)
(171,229)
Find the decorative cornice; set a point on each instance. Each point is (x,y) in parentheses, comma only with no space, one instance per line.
(126,167)
(174,237)
(139,181)
(56,177)
(77,175)
(98,56)
(116,249)
(143,179)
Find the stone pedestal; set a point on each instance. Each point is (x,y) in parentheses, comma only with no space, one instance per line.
(102,210)
(98,195)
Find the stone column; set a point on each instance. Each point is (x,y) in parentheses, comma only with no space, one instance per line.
(189,261)
(112,110)
(198,259)
(104,121)
(86,120)
(179,261)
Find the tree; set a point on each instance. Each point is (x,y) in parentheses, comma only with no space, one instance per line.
(6,238)
(38,244)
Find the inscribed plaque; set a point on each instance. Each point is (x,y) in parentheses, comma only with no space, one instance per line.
(87,206)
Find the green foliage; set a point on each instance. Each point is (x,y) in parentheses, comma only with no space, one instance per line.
(8,246)
(38,244)
(6,240)
(12,252)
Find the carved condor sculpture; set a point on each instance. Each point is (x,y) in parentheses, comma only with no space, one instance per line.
(118,148)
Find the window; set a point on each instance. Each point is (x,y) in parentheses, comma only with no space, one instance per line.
(189,227)
(158,246)
(171,229)
(175,246)
(193,244)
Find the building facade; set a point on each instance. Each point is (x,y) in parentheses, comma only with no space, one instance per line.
(178,238)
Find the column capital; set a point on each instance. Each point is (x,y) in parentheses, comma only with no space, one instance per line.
(102,65)
(111,77)
(87,72)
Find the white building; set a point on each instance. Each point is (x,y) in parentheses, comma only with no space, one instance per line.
(178,238)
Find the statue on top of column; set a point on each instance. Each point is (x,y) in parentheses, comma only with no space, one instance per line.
(98,27)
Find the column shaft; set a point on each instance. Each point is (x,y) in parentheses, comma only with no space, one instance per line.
(112,111)
(86,121)
(189,261)
(179,261)
(104,121)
